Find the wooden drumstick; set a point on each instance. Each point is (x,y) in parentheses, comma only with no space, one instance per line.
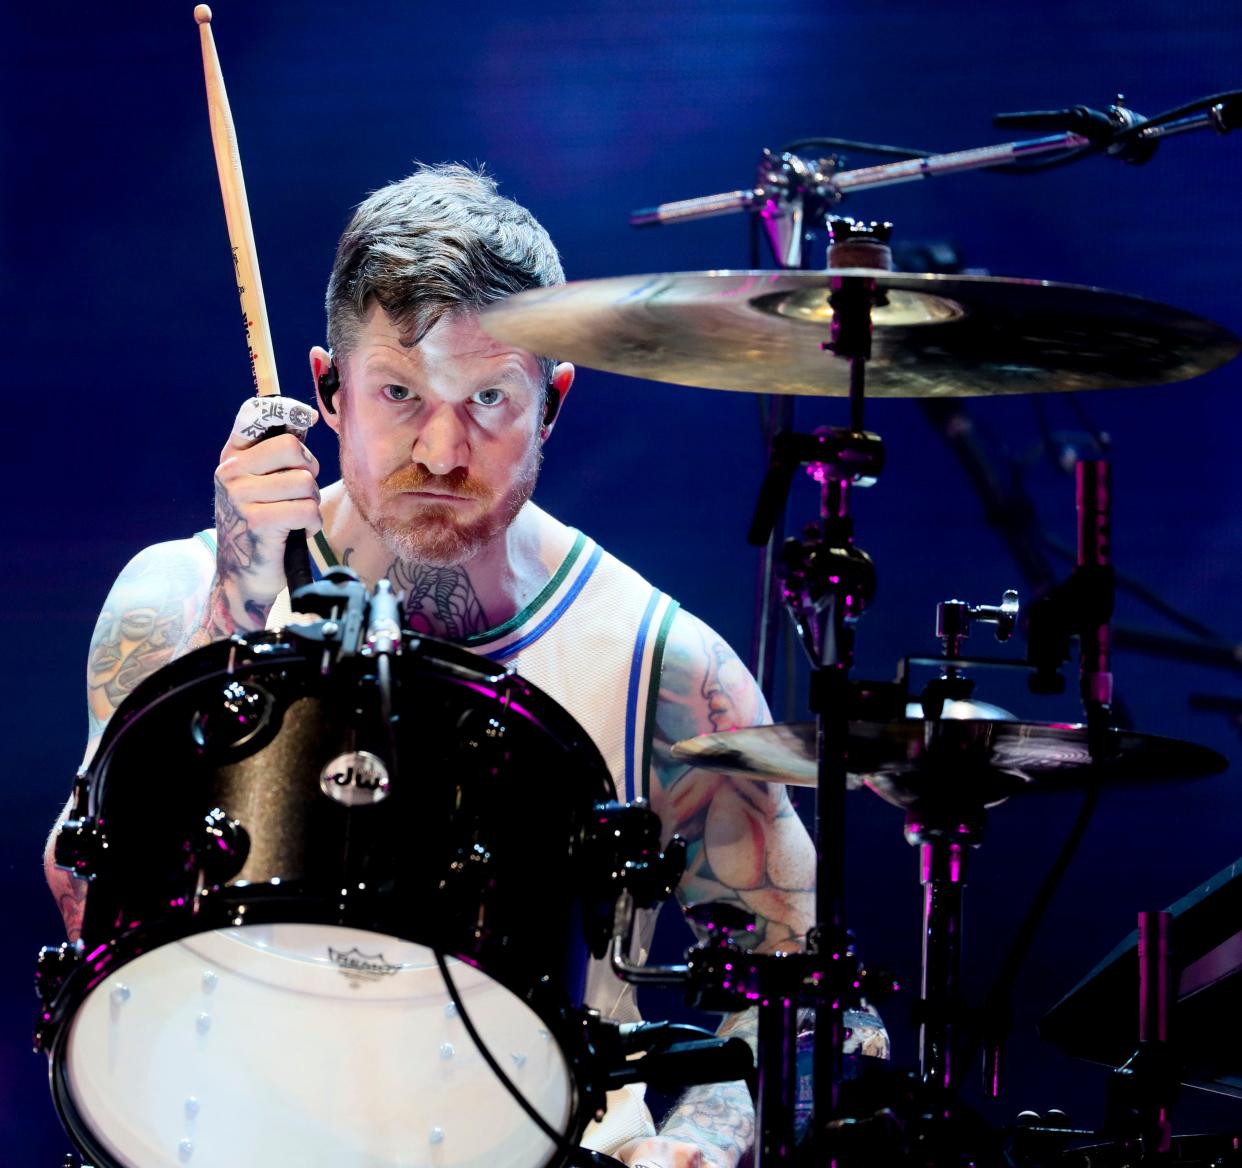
(245,262)
(237,214)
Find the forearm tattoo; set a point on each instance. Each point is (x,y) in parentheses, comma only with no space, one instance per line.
(441,602)
(718,1118)
(865,1033)
(237,546)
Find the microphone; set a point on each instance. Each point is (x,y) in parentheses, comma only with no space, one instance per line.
(1092,124)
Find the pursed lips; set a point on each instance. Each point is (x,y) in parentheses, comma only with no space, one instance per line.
(437,497)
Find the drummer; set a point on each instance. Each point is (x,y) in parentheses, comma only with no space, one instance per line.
(441,432)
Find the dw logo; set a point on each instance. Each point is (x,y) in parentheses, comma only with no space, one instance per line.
(355,778)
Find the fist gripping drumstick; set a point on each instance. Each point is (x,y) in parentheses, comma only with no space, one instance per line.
(245,260)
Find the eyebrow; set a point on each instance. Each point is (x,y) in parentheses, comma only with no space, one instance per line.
(385,367)
(512,373)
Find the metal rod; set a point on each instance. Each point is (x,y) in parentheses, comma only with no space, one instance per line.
(769,595)
(858,379)
(828,1062)
(1154,976)
(1208,120)
(867,177)
(778,1083)
(941,863)
(889,174)
(703,207)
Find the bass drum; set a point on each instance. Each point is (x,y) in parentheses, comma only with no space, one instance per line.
(273,875)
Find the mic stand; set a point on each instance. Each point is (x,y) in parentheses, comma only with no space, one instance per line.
(1117,132)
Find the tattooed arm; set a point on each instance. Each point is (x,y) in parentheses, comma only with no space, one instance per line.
(158,597)
(746,846)
(264,490)
(172,597)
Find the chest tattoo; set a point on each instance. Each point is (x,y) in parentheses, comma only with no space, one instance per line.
(440,602)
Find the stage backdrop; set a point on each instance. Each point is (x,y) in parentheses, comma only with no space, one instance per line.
(124,364)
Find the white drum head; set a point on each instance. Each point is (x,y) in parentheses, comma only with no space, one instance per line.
(309,1045)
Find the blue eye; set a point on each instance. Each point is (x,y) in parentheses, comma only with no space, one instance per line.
(489,397)
(396,393)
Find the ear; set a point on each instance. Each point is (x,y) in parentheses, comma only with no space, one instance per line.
(321,366)
(562,383)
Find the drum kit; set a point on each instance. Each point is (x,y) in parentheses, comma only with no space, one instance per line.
(286,959)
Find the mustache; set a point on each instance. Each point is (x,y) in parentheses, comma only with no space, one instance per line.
(413,477)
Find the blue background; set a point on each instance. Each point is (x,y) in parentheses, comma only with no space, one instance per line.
(124,365)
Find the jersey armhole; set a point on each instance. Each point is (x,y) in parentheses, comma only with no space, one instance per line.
(653,695)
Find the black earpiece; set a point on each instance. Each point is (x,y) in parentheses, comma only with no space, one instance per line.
(552,404)
(329,383)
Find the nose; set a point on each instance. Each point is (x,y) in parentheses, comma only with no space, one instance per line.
(441,445)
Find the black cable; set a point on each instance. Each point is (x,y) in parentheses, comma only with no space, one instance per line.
(574,1153)
(850,144)
(996,1020)
(1040,165)
(1088,423)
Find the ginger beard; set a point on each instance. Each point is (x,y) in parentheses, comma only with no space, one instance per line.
(429,533)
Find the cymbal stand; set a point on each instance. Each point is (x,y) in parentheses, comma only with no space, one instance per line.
(828,584)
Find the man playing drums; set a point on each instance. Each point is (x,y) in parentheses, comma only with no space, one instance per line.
(441,433)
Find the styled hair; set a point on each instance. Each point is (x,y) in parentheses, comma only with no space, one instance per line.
(441,241)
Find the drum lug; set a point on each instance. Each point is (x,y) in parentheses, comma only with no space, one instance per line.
(628,836)
(221,849)
(622,843)
(77,847)
(55,964)
(234,719)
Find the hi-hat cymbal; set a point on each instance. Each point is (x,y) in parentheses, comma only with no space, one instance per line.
(936,336)
(980,761)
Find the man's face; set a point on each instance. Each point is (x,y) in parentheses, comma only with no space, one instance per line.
(440,441)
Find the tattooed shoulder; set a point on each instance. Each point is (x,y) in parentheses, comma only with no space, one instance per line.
(148,608)
(704,687)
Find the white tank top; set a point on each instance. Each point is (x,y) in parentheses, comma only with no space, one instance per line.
(593,641)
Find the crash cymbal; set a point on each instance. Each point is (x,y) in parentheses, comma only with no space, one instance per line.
(980,761)
(936,336)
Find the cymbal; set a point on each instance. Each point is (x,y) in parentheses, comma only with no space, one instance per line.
(980,761)
(937,336)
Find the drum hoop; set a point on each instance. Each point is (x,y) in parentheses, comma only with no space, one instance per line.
(553,719)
